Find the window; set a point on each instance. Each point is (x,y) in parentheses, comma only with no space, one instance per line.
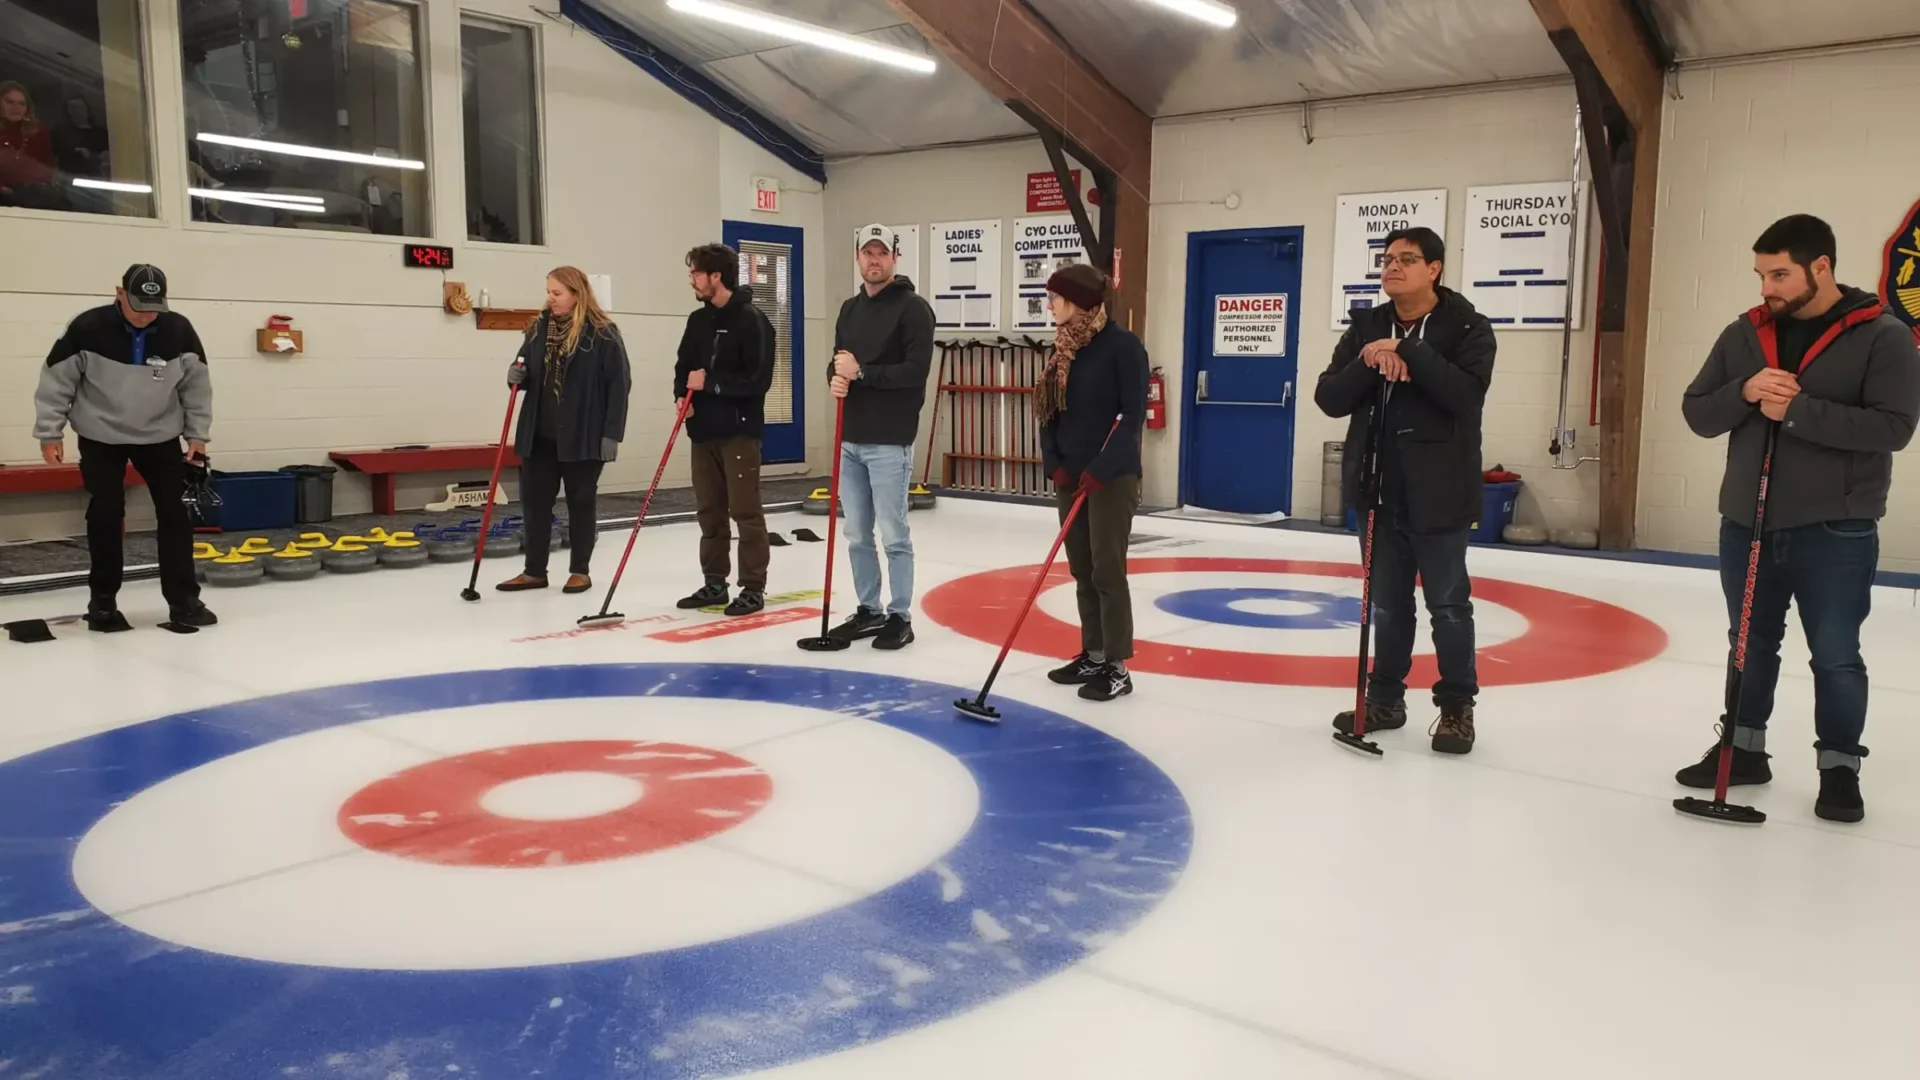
(73,110)
(500,98)
(306,114)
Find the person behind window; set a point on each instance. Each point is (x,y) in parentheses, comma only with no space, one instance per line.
(80,147)
(574,367)
(26,146)
(131,379)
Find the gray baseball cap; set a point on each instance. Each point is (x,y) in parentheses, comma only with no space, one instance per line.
(146,288)
(880,234)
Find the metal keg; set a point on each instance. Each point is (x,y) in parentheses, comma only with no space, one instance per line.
(1331,512)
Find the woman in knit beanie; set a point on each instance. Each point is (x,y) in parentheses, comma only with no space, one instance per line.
(1090,402)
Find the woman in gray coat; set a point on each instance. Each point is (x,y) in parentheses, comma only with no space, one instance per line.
(573,366)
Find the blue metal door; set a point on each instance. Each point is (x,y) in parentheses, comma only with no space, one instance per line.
(771,258)
(1241,372)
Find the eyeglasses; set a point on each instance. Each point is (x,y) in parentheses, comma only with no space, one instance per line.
(1407,259)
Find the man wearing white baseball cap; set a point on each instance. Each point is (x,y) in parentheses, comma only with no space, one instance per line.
(130,377)
(882,354)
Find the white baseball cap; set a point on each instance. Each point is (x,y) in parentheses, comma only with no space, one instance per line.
(877,232)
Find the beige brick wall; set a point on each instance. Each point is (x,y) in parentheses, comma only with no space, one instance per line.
(1742,147)
(1455,142)
(635,176)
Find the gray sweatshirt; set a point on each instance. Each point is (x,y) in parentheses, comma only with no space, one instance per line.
(1859,402)
(118,385)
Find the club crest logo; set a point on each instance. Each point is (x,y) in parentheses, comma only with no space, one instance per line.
(1900,283)
(151,288)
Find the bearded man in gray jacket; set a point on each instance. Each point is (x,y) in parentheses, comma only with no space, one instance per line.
(1841,379)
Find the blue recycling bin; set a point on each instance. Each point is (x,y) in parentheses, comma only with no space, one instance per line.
(1496,511)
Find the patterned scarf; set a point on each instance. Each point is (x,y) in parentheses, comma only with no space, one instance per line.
(556,364)
(1050,393)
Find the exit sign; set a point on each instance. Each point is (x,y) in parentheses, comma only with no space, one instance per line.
(766,194)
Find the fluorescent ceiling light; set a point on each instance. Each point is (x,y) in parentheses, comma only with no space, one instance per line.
(297,150)
(1207,11)
(805,33)
(303,204)
(112,185)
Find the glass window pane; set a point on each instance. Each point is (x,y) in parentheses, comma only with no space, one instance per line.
(500,104)
(306,114)
(73,110)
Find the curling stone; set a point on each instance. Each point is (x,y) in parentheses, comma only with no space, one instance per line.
(449,546)
(816,503)
(256,545)
(203,554)
(377,536)
(403,554)
(921,497)
(501,544)
(1529,535)
(313,542)
(350,556)
(233,570)
(293,564)
(1583,539)
(562,537)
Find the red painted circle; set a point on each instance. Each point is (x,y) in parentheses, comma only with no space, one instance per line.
(1567,636)
(433,812)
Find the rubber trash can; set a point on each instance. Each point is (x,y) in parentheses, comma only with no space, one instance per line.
(1331,455)
(1496,510)
(313,498)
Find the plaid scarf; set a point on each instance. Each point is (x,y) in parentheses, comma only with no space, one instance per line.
(556,363)
(1050,393)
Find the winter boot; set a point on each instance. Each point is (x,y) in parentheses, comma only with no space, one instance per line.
(1379,718)
(1839,796)
(1749,767)
(1453,732)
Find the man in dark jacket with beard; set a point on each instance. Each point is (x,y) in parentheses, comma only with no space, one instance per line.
(1841,379)
(726,363)
(1434,352)
(883,352)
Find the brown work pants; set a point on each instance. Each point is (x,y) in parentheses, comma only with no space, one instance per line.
(1097,555)
(726,485)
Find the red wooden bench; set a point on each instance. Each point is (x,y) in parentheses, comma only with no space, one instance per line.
(33,479)
(383,465)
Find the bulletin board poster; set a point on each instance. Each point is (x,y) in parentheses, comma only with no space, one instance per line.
(1041,245)
(1514,255)
(1360,227)
(964,281)
(909,256)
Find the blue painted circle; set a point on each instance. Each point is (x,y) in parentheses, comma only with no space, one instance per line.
(1331,611)
(1077,838)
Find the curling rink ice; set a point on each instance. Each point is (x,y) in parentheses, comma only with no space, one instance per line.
(364,830)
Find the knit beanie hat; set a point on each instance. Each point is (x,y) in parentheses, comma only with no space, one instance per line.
(1081,285)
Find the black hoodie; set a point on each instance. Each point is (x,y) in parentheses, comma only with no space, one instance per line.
(891,335)
(1433,421)
(733,344)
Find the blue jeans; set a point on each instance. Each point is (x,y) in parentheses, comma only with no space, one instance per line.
(1440,562)
(873,485)
(1829,569)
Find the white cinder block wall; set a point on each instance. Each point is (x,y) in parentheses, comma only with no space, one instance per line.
(635,176)
(1742,147)
(1455,141)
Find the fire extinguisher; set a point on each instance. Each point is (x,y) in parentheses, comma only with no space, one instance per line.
(1156,400)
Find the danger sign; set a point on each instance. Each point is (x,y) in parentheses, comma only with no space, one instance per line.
(1252,325)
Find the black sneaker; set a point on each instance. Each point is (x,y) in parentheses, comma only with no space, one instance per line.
(1110,682)
(1379,718)
(749,602)
(1749,767)
(193,614)
(897,633)
(861,624)
(1839,796)
(1453,732)
(710,594)
(1076,672)
(103,616)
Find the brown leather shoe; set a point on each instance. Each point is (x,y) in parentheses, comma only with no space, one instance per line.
(577,583)
(521,584)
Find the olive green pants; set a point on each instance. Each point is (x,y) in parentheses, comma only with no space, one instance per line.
(1097,555)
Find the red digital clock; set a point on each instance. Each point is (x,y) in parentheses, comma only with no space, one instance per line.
(428,256)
